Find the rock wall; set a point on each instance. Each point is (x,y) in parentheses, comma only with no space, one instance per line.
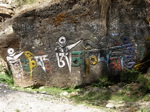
(61,44)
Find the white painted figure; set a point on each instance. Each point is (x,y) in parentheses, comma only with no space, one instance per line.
(14,62)
(62,51)
(40,61)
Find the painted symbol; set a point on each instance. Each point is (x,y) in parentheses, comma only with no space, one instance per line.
(32,63)
(115,64)
(93,60)
(12,57)
(40,61)
(89,44)
(25,65)
(78,60)
(128,61)
(14,62)
(62,52)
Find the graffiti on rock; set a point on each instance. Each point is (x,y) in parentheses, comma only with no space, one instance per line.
(116,57)
(44,62)
(15,63)
(32,62)
(26,65)
(40,61)
(128,52)
(91,59)
(62,52)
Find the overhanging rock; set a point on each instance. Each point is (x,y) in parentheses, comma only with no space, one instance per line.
(61,45)
(6,11)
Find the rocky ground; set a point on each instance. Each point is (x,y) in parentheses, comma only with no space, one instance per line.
(15,101)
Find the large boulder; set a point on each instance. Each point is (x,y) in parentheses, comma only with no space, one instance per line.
(72,42)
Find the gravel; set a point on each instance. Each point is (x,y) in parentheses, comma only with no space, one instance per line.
(15,101)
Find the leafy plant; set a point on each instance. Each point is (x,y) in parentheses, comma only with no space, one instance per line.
(129,76)
(102,83)
(7,77)
(145,82)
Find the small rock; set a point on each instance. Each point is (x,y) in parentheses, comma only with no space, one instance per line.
(2,72)
(29,89)
(13,87)
(130,103)
(6,85)
(41,87)
(35,92)
(85,93)
(95,89)
(121,102)
(74,93)
(43,92)
(4,91)
(110,105)
(120,90)
(64,93)
(0,88)
(119,105)
(111,101)
(114,88)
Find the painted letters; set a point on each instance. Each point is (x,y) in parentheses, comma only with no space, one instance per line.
(32,63)
(128,60)
(40,61)
(14,62)
(62,52)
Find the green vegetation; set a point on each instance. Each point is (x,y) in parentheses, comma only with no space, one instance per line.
(17,110)
(129,76)
(133,87)
(47,90)
(132,76)
(144,110)
(7,77)
(102,83)
(71,89)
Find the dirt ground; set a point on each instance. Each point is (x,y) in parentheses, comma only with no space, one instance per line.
(15,101)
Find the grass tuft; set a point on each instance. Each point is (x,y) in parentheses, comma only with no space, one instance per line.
(7,77)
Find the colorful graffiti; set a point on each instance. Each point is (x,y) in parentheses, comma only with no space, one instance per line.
(26,65)
(129,52)
(44,62)
(116,57)
(32,62)
(62,52)
(14,62)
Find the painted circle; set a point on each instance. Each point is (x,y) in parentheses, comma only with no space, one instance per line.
(10,51)
(62,40)
(93,60)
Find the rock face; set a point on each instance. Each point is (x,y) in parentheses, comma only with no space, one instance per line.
(6,11)
(64,44)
